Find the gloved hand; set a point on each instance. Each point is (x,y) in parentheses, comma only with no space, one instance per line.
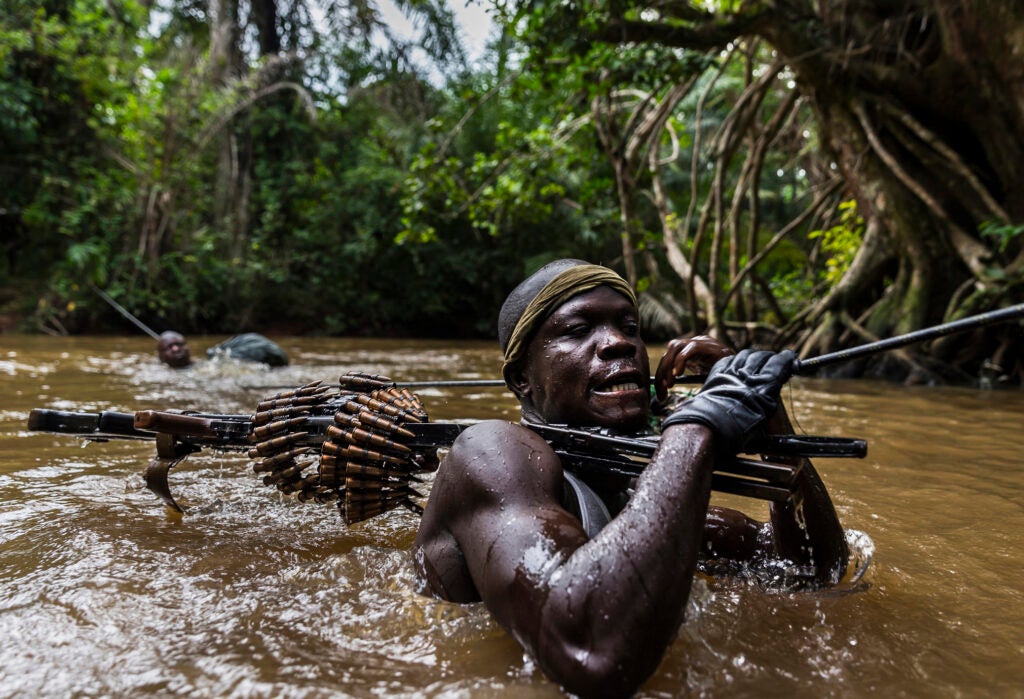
(740,393)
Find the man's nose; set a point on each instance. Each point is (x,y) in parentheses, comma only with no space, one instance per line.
(613,342)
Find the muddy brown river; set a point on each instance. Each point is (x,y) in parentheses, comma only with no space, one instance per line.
(106,593)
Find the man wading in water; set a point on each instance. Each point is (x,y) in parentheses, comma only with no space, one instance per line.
(597,610)
(173,350)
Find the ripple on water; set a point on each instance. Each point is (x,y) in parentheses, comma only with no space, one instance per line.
(253,594)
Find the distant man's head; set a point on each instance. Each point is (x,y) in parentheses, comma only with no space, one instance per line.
(173,350)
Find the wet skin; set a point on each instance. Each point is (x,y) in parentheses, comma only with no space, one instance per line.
(809,536)
(597,614)
(172,349)
(589,365)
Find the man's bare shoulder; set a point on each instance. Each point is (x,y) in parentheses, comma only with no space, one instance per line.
(495,469)
(503,458)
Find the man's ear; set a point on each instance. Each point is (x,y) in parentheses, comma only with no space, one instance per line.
(517,381)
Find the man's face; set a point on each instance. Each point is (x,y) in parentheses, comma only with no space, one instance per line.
(173,350)
(587,366)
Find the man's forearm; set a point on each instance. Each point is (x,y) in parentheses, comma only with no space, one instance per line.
(634,576)
(808,533)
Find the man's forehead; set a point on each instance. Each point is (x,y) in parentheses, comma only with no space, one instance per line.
(170,338)
(599,300)
(520,298)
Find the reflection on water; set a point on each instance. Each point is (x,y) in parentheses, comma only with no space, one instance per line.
(102,592)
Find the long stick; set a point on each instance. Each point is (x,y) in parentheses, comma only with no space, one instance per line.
(123,311)
(970,323)
(956,326)
(442,383)
(453,383)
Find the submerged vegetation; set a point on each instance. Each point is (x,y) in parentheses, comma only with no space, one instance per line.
(800,174)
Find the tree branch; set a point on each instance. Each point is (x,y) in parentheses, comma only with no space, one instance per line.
(781,235)
(953,158)
(302,93)
(969,250)
(869,258)
(712,32)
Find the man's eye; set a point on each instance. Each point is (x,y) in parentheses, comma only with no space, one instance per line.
(631,328)
(577,330)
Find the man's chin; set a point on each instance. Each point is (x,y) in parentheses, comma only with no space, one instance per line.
(622,415)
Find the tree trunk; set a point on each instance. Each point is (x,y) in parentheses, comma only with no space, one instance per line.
(920,104)
(230,188)
(928,136)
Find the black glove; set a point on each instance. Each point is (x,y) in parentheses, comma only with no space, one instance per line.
(740,393)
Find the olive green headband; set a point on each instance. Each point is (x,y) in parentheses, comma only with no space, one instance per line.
(571,282)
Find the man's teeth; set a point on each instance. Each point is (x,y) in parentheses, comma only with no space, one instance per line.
(628,386)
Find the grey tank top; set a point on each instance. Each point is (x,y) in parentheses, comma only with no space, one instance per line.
(580,500)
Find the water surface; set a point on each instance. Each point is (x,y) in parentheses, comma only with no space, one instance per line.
(103,592)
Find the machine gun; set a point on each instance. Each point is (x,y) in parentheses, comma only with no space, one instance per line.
(364,442)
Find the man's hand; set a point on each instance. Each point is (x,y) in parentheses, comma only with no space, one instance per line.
(697,353)
(739,394)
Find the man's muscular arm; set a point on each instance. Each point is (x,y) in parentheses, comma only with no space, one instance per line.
(596,615)
(810,535)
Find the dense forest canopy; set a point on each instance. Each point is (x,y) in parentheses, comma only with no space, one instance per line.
(790,173)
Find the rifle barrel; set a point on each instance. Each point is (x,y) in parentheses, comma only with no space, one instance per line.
(970,323)
(124,311)
(803,366)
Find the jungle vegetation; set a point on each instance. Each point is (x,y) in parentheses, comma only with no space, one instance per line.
(779,173)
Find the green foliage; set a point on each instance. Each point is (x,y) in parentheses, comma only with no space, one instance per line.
(518,158)
(840,242)
(114,118)
(333,179)
(511,176)
(1002,235)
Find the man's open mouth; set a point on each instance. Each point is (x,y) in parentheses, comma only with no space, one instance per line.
(614,388)
(618,385)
